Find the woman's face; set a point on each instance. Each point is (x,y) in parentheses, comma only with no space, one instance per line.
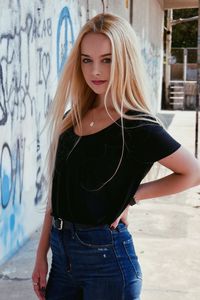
(96,61)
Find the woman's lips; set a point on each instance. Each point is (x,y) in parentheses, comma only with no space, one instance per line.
(98,82)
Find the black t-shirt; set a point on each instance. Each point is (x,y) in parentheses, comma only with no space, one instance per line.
(90,184)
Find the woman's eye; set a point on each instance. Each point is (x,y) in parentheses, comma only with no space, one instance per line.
(107,60)
(86,60)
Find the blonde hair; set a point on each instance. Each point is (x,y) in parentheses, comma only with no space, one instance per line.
(128,91)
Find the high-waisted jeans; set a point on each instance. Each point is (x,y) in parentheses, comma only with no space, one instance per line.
(93,264)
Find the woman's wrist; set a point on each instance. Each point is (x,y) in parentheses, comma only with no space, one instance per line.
(42,251)
(41,255)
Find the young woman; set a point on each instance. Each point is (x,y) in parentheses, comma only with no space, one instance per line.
(100,151)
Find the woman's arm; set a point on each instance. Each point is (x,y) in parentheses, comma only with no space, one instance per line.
(41,264)
(43,246)
(186,174)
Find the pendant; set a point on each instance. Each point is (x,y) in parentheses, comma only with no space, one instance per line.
(92,124)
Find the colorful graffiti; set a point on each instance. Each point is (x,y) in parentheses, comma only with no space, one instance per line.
(27,71)
(11,188)
(64,45)
(19,106)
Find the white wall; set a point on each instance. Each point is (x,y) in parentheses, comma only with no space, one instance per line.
(35,39)
(148,19)
(31,50)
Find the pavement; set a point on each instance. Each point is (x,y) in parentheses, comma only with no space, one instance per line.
(166,232)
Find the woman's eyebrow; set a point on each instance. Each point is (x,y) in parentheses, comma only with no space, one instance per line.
(106,54)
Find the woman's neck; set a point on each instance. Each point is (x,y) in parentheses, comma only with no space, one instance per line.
(99,102)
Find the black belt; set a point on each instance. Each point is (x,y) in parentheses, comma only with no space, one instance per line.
(63,224)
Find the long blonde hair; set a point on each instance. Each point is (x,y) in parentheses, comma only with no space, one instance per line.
(128,91)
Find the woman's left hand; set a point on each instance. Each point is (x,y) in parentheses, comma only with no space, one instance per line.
(123,217)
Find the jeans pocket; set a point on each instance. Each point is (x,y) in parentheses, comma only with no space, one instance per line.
(95,238)
(130,251)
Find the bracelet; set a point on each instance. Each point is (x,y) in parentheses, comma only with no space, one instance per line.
(133,201)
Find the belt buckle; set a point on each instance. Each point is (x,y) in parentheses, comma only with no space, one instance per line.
(61,224)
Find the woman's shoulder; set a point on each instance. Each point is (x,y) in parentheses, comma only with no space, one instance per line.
(140,120)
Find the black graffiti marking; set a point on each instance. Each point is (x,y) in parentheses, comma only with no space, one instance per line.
(41,29)
(16,161)
(49,27)
(39,176)
(15,95)
(17,101)
(39,50)
(5,149)
(40,179)
(18,171)
(47,102)
(3,111)
(44,66)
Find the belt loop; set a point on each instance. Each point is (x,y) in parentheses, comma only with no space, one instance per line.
(118,229)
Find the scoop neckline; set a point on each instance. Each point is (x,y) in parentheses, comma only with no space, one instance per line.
(102,130)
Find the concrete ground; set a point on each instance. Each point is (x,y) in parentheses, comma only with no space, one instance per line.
(166,233)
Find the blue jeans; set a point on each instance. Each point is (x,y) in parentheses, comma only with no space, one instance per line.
(93,264)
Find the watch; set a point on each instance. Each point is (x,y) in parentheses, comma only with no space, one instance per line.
(133,201)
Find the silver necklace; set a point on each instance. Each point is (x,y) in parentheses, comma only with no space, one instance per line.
(92,123)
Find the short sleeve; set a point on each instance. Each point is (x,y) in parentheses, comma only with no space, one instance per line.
(155,143)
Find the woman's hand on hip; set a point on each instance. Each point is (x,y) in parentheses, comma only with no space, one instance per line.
(123,217)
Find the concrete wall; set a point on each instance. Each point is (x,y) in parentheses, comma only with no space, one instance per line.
(32,51)
(148,18)
(35,39)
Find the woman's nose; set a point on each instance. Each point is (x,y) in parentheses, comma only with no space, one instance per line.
(96,70)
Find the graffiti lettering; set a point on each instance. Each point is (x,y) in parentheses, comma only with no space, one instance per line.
(41,29)
(15,87)
(63,46)
(5,175)
(3,111)
(44,66)
(25,97)
(11,173)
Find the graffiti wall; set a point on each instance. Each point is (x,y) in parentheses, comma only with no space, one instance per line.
(35,40)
